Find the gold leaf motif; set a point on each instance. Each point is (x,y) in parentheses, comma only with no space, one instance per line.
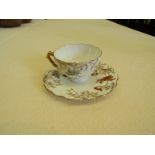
(102,69)
(53,79)
(82,95)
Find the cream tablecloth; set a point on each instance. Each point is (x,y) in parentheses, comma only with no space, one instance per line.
(26,107)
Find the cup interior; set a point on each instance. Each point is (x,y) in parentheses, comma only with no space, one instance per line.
(77,53)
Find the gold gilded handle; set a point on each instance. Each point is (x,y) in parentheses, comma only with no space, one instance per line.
(49,55)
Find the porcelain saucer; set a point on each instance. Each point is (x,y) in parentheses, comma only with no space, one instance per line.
(101,82)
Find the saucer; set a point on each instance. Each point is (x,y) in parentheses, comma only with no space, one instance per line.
(101,82)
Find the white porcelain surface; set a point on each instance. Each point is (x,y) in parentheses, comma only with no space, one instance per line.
(77,53)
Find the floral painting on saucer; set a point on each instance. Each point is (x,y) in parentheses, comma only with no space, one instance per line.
(101,82)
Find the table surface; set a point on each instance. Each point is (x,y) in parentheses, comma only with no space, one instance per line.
(26,107)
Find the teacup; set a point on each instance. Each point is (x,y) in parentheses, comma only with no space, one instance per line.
(75,61)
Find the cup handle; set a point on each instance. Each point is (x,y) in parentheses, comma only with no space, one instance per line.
(49,57)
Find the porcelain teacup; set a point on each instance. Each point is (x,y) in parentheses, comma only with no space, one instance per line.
(75,61)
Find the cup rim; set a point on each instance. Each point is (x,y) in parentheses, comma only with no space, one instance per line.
(70,62)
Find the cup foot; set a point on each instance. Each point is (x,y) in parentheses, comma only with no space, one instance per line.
(80,80)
